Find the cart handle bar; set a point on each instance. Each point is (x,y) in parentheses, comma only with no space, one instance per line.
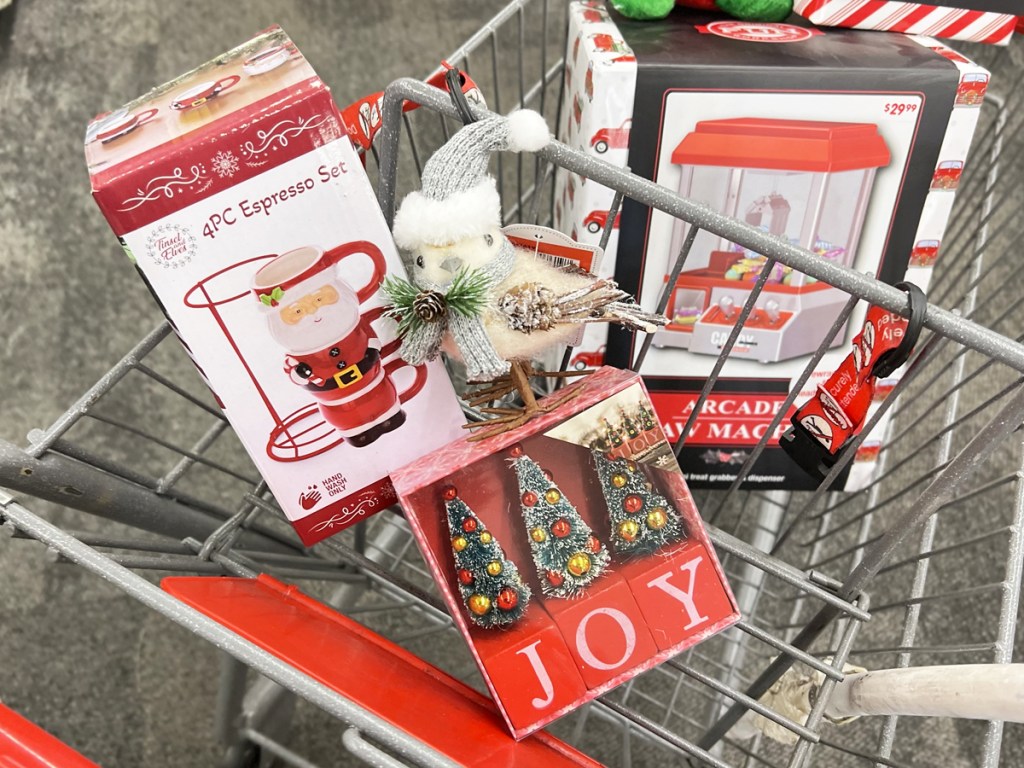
(648,193)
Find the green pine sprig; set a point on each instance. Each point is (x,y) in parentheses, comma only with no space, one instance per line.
(402,294)
(467,296)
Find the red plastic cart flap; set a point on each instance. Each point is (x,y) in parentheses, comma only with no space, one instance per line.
(23,744)
(369,670)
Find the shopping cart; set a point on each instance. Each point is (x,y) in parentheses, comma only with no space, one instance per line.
(923,567)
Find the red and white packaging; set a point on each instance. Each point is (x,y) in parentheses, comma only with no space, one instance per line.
(679,99)
(637,609)
(596,116)
(240,198)
(980,21)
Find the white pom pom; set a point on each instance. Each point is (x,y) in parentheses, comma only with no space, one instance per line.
(527,131)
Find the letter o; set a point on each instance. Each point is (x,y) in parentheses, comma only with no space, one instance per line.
(629,633)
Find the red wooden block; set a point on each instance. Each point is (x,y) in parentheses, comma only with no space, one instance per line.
(679,593)
(531,672)
(605,632)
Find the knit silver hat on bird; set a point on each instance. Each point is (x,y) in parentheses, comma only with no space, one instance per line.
(457,198)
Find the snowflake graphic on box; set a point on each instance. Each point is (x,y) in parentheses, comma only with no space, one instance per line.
(225,164)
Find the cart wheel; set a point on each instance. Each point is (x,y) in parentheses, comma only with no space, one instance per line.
(601,147)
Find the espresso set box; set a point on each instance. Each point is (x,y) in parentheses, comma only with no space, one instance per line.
(569,550)
(849,144)
(237,193)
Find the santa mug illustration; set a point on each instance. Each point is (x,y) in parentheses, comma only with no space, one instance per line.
(327,343)
(331,349)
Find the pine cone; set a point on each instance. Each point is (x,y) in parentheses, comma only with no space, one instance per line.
(529,307)
(429,306)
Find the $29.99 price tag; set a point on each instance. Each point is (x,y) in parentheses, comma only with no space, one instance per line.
(897,108)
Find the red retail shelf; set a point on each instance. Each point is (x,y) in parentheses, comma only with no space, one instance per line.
(370,671)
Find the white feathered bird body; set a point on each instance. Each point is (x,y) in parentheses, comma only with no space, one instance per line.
(537,306)
(451,228)
(516,344)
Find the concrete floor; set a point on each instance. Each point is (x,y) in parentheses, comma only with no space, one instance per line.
(103,673)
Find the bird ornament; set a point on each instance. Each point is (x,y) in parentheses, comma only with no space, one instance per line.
(477,296)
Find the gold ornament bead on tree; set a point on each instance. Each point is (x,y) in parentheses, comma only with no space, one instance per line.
(628,530)
(552,496)
(538,535)
(618,480)
(578,564)
(485,537)
(479,604)
(656,518)
(494,568)
(459,543)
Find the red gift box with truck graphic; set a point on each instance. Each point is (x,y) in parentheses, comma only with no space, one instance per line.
(972,89)
(597,220)
(240,197)
(569,551)
(947,175)
(924,253)
(846,143)
(611,138)
(596,116)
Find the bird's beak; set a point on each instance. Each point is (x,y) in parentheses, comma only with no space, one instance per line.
(452,264)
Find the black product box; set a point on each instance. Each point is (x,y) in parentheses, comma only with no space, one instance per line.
(836,140)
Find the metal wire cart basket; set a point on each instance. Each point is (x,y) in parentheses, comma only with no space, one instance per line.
(923,567)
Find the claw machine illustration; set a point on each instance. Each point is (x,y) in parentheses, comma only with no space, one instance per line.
(806,182)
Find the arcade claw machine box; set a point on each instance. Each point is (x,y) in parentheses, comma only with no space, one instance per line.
(843,142)
(807,182)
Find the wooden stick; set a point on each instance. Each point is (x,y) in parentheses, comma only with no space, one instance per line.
(505,386)
(480,400)
(520,375)
(490,422)
(498,429)
(565,374)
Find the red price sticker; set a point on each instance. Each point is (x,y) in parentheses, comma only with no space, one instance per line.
(897,108)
